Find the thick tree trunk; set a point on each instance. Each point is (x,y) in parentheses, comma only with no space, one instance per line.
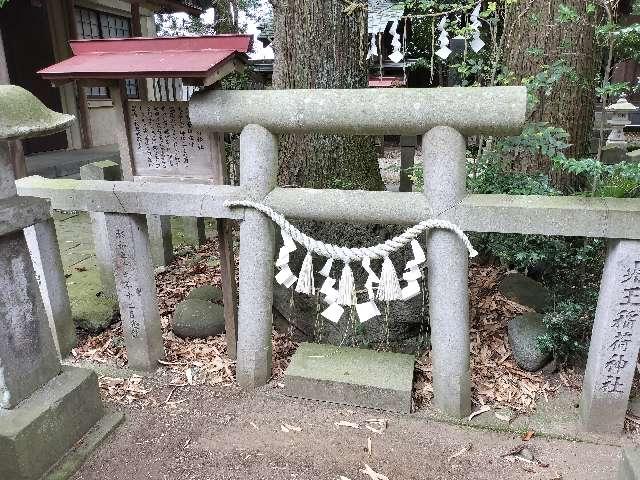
(535,37)
(317,45)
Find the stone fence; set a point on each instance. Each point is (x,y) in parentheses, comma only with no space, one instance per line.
(444,117)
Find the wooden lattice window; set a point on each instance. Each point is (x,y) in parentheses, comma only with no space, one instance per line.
(92,24)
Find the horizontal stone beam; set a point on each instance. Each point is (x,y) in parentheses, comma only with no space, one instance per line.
(187,200)
(18,213)
(531,214)
(399,111)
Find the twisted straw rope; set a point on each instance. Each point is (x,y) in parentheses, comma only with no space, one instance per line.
(345,254)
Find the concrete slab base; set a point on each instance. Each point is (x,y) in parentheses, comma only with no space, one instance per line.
(41,429)
(351,376)
(74,459)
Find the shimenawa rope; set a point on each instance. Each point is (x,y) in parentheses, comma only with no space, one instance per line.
(345,254)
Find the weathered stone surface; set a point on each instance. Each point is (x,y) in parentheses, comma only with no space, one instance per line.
(37,433)
(259,155)
(524,331)
(94,315)
(103,170)
(198,318)
(23,115)
(194,231)
(160,239)
(526,291)
(17,213)
(615,340)
(136,287)
(363,111)
(351,376)
(612,154)
(206,292)
(42,241)
(630,465)
(527,214)
(444,151)
(28,356)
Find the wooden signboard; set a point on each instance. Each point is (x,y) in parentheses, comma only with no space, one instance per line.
(165,146)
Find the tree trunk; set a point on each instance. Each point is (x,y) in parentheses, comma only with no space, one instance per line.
(317,45)
(537,25)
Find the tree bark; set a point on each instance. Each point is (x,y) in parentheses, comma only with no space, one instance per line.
(536,24)
(318,45)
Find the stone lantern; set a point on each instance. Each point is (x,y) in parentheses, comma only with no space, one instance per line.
(45,408)
(619,112)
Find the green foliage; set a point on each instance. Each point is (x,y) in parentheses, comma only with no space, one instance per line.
(567,14)
(536,138)
(616,89)
(568,330)
(544,82)
(621,180)
(625,40)
(3,3)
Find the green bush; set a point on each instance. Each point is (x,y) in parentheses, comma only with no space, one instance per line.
(568,330)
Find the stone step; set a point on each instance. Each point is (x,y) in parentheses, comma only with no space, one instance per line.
(351,376)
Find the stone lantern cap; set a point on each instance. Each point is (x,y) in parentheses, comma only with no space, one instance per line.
(622,106)
(22,115)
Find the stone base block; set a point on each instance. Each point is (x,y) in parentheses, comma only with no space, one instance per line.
(351,376)
(630,465)
(41,429)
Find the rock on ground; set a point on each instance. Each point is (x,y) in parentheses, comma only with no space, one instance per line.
(196,318)
(525,291)
(207,292)
(524,331)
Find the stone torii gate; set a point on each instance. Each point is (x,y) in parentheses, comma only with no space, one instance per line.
(445,116)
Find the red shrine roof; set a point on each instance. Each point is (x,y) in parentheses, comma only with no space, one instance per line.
(165,57)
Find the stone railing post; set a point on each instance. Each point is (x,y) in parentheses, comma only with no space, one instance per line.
(258,174)
(105,170)
(42,241)
(194,230)
(407,156)
(615,340)
(161,239)
(136,288)
(447,260)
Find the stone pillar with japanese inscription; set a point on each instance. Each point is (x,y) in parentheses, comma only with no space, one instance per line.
(136,288)
(615,340)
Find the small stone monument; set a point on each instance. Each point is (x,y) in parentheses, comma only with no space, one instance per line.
(615,340)
(45,408)
(615,150)
(619,119)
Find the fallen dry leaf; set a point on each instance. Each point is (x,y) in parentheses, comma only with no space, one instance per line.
(342,423)
(528,435)
(460,452)
(372,473)
(496,380)
(480,411)
(293,428)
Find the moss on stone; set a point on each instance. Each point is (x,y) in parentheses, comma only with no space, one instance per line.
(22,115)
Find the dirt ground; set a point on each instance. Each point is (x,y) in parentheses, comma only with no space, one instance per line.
(224,433)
